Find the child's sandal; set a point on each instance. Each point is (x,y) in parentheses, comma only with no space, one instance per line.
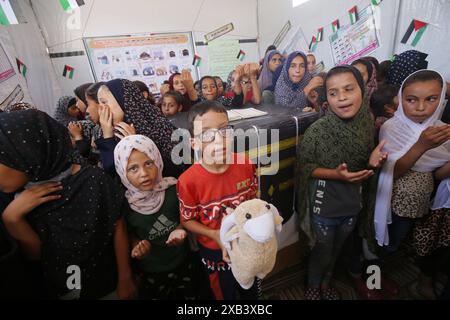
(313,294)
(330,294)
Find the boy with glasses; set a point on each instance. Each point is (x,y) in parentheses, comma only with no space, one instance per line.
(219,179)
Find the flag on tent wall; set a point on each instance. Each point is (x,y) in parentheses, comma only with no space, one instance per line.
(68,5)
(353,13)
(197,60)
(415,32)
(21,67)
(376,2)
(319,35)
(68,71)
(313,44)
(335,25)
(241,55)
(7,15)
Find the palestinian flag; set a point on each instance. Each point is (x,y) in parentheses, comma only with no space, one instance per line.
(68,5)
(376,2)
(335,25)
(197,60)
(21,67)
(319,35)
(416,29)
(313,44)
(68,71)
(353,13)
(241,55)
(7,15)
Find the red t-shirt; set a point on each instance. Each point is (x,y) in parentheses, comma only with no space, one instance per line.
(204,196)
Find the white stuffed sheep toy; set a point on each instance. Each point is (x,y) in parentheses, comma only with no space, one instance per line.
(248,233)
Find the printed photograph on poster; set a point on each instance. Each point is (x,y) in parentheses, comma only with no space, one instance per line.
(351,42)
(153,86)
(106,75)
(145,55)
(161,71)
(174,69)
(158,55)
(151,59)
(148,70)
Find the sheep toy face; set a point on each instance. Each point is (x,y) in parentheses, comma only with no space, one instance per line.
(257,218)
(248,233)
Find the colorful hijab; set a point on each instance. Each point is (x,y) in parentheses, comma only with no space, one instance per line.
(331,141)
(61,114)
(144,202)
(405,64)
(401,134)
(147,119)
(266,76)
(291,94)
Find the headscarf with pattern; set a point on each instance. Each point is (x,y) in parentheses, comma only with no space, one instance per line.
(147,119)
(61,114)
(405,64)
(145,202)
(291,94)
(266,76)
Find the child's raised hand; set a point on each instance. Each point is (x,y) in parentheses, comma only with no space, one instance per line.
(238,73)
(186,78)
(164,89)
(253,70)
(106,121)
(313,84)
(378,157)
(141,249)
(176,237)
(75,130)
(124,130)
(433,137)
(352,177)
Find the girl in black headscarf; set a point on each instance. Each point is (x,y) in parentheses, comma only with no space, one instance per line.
(124,111)
(65,215)
(67,110)
(80,95)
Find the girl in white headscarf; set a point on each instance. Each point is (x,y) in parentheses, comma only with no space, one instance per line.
(418,146)
(153,220)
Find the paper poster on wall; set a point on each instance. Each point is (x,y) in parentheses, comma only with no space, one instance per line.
(6,68)
(150,59)
(222,57)
(354,41)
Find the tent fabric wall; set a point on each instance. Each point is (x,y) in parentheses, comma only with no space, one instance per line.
(96,18)
(392,18)
(315,14)
(24,41)
(436,40)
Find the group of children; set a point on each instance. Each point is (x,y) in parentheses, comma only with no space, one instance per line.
(96,187)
